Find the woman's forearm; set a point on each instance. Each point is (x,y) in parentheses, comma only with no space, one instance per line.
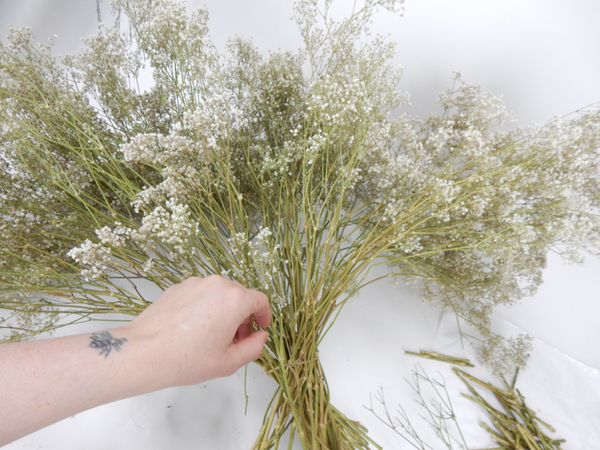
(48,380)
(197,330)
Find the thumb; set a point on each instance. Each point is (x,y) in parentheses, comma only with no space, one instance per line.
(249,349)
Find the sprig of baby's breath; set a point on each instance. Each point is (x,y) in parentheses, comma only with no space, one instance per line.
(290,180)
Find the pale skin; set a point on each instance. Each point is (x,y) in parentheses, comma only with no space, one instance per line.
(196,331)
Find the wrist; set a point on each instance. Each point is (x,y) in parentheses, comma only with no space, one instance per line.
(148,369)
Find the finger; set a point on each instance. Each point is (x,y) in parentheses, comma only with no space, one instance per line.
(249,349)
(244,330)
(261,309)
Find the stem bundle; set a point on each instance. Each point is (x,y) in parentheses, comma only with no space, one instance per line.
(516,426)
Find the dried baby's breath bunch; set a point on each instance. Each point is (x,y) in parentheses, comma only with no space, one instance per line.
(284,173)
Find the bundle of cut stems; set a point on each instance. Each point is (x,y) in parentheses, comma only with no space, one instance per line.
(517,427)
(441,357)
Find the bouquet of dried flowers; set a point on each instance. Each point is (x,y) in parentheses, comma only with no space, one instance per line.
(285,173)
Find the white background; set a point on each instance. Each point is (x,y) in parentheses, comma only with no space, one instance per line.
(541,56)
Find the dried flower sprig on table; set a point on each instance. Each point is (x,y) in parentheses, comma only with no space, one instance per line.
(433,397)
(284,173)
(514,425)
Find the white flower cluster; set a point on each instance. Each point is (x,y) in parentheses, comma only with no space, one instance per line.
(157,149)
(215,119)
(503,355)
(259,260)
(106,59)
(176,46)
(277,162)
(172,224)
(94,257)
(349,96)
(178,159)
(114,237)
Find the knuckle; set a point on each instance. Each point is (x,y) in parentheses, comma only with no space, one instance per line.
(212,279)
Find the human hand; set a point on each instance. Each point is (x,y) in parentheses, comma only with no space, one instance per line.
(198,330)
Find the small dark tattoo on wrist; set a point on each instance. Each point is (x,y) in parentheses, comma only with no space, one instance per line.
(106,342)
